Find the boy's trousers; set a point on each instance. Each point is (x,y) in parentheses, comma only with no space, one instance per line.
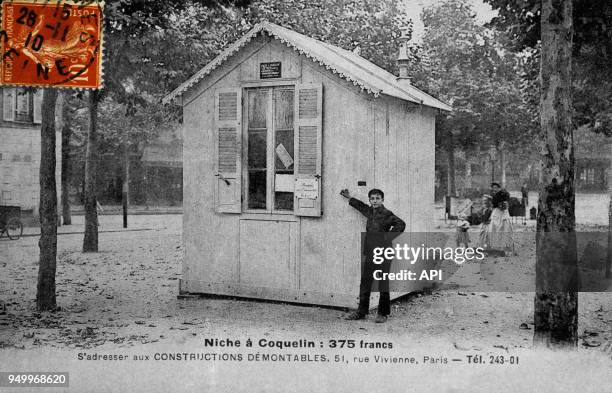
(365,287)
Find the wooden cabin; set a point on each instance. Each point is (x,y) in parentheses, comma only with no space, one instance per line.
(274,128)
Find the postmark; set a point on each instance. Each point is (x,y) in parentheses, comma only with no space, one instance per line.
(51,43)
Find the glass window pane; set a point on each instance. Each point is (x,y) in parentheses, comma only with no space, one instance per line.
(283,149)
(257,149)
(257,190)
(258,100)
(283,200)
(22,101)
(258,103)
(283,113)
(22,105)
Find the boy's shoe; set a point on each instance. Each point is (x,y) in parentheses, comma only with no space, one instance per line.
(380,318)
(355,316)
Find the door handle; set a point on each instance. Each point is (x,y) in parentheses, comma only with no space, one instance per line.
(223,178)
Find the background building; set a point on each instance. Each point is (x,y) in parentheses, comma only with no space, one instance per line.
(20,148)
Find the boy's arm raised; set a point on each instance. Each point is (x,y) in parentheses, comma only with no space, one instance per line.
(360,206)
(356,203)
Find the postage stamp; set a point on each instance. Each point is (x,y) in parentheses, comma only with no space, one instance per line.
(51,43)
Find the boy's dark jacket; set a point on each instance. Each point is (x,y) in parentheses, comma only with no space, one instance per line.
(380,221)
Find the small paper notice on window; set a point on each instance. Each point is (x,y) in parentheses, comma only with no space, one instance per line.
(306,188)
(284,156)
(283,183)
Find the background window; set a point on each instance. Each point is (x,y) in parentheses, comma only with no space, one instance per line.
(21,105)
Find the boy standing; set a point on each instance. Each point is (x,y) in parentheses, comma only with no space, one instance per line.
(380,220)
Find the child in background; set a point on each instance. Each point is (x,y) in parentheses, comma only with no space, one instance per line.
(462,231)
(487,209)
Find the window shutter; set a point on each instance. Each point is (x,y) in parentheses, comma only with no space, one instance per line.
(8,104)
(37,106)
(309,123)
(228,132)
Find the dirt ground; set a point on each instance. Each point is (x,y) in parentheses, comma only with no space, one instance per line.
(126,295)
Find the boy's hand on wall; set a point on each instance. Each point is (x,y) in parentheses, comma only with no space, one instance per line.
(345,193)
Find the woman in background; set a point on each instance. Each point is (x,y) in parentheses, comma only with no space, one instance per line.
(500,229)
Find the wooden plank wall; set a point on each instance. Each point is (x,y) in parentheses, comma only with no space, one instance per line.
(330,254)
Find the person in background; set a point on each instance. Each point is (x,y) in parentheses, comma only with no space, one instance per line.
(462,231)
(487,209)
(525,195)
(500,229)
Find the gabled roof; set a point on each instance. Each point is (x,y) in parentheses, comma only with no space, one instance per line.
(346,64)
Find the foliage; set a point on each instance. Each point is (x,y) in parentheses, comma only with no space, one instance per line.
(151,47)
(463,64)
(592,53)
(373,26)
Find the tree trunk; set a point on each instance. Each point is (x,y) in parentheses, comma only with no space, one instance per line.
(540,176)
(609,259)
(609,256)
(450,150)
(66,164)
(90,240)
(556,300)
(126,182)
(502,164)
(45,290)
(83,188)
(468,172)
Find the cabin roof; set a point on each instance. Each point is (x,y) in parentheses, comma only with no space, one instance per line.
(346,64)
